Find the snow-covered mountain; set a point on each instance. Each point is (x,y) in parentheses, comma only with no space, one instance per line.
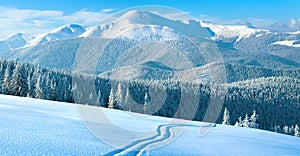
(233,33)
(239,44)
(14,41)
(149,24)
(63,32)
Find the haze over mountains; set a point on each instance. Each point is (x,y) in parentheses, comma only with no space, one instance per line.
(237,44)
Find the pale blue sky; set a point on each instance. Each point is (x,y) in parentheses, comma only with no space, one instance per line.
(17,15)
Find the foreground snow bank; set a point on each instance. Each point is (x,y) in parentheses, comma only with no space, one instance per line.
(38,127)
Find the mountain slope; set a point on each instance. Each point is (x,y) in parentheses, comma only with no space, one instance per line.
(39,127)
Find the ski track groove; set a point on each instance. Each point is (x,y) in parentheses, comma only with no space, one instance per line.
(139,146)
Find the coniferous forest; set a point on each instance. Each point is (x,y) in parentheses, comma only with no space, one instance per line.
(268,103)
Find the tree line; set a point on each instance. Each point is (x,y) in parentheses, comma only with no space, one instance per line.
(274,102)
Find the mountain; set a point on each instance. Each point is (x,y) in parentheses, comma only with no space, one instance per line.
(148,23)
(63,32)
(233,33)
(14,41)
(150,46)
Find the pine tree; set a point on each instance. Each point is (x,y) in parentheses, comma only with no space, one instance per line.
(99,101)
(277,129)
(127,105)
(29,87)
(18,82)
(246,122)
(291,130)
(119,95)
(237,124)
(38,88)
(146,103)
(54,91)
(111,100)
(296,131)
(253,122)
(240,122)
(226,117)
(286,129)
(6,80)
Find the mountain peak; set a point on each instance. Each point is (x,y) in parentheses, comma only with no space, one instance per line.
(140,17)
(17,36)
(68,28)
(62,32)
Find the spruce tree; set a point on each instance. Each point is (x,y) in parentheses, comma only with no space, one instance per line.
(111,100)
(18,82)
(226,117)
(6,80)
(146,103)
(246,122)
(296,131)
(253,122)
(38,88)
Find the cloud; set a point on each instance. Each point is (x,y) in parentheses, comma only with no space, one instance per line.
(15,20)
(108,10)
(294,24)
(270,24)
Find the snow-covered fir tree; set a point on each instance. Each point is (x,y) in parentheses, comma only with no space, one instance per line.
(38,88)
(111,100)
(246,122)
(226,117)
(18,82)
(253,120)
(296,131)
(146,103)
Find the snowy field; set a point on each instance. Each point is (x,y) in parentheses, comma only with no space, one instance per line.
(38,127)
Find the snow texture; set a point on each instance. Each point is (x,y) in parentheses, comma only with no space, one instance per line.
(39,127)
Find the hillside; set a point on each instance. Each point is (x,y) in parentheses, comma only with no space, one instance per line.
(39,127)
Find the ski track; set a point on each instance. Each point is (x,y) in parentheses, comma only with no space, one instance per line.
(138,147)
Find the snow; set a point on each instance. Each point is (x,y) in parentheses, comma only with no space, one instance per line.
(293,33)
(39,127)
(16,41)
(236,32)
(133,20)
(62,32)
(290,43)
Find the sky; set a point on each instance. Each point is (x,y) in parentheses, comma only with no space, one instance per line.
(36,16)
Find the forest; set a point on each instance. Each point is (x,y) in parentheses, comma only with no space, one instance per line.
(268,103)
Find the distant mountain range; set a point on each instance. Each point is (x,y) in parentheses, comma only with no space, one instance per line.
(238,44)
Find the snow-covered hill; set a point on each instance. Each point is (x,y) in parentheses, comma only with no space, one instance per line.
(39,127)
